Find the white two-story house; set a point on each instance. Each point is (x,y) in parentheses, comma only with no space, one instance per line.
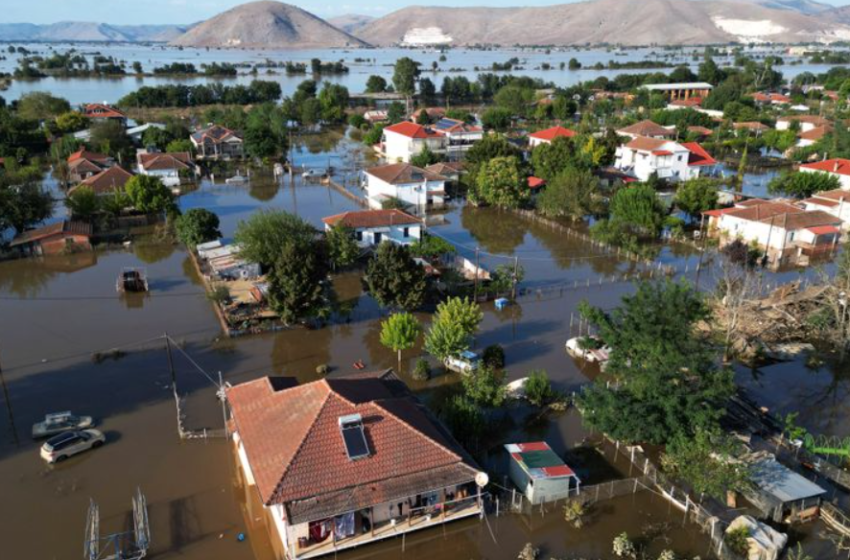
(403,140)
(672,161)
(405,182)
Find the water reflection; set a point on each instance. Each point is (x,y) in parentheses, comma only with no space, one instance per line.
(495,231)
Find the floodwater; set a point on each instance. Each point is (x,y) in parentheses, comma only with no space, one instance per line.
(362,64)
(61,321)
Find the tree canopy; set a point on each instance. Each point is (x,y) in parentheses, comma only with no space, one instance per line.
(196,226)
(264,233)
(803,184)
(394,279)
(501,183)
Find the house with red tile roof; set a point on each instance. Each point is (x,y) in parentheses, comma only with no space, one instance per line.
(647,129)
(547,135)
(406,183)
(346,461)
(813,135)
(106,182)
(806,122)
(54,239)
(372,227)
(770,98)
(835,202)
(83,164)
(403,140)
(786,233)
(171,168)
(837,167)
(101,112)
(217,142)
(459,135)
(642,157)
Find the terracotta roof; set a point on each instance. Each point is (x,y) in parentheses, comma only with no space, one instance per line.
(160,161)
(107,181)
(771,98)
(535,182)
(803,220)
(86,155)
(825,202)
(215,134)
(823,230)
(750,125)
(836,194)
(446,168)
(550,134)
(292,439)
(763,211)
(644,144)
(411,130)
(701,130)
(689,102)
(65,226)
(433,112)
(102,111)
(371,218)
(811,119)
(816,133)
(403,173)
(698,155)
(662,153)
(838,166)
(647,128)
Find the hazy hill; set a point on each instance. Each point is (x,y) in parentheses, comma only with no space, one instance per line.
(350,23)
(88,31)
(267,25)
(629,22)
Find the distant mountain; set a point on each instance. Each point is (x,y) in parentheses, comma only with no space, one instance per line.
(839,15)
(350,23)
(267,25)
(627,22)
(802,6)
(88,31)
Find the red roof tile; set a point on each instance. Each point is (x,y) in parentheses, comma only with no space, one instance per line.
(65,226)
(411,130)
(698,155)
(403,173)
(647,128)
(371,218)
(295,449)
(838,166)
(535,182)
(102,111)
(550,134)
(107,181)
(160,161)
(823,230)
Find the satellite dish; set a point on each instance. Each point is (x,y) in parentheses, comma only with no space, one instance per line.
(481,479)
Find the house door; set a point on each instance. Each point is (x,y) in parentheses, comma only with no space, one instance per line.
(378,236)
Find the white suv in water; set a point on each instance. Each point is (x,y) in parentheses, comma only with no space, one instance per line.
(65,445)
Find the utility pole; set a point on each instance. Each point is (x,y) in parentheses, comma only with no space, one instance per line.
(170,362)
(9,407)
(223,397)
(477,272)
(516,272)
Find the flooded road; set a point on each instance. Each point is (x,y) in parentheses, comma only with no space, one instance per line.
(61,321)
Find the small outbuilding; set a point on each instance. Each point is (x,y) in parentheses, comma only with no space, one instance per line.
(54,239)
(539,473)
(781,493)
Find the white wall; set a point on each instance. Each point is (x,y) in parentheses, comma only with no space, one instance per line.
(400,148)
(674,167)
(410,193)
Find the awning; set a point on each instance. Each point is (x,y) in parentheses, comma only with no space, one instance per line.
(823,230)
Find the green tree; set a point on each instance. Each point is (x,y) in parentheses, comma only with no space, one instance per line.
(425,158)
(181,145)
(83,203)
(538,388)
(110,138)
(574,64)
(455,321)
(696,196)
(803,184)
(639,208)
(41,105)
(23,201)
(484,150)
(431,247)
(71,121)
(515,98)
(551,159)
(196,226)
(497,118)
(342,248)
(485,387)
(465,419)
(667,379)
(296,282)
(708,462)
(395,112)
(570,194)
(405,74)
(265,232)
(376,84)
(500,183)
(395,279)
(399,332)
(148,195)
(334,101)
(427,91)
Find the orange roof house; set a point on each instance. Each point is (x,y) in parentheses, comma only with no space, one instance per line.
(547,135)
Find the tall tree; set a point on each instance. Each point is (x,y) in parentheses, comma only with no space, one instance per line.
(196,226)
(265,232)
(405,74)
(296,282)
(501,183)
(455,321)
(148,194)
(549,160)
(696,196)
(399,332)
(570,194)
(342,248)
(803,184)
(394,279)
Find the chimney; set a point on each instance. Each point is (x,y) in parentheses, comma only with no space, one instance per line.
(835,167)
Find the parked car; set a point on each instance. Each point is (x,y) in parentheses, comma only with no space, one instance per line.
(466,362)
(59,448)
(59,422)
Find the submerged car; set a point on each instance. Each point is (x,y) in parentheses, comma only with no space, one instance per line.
(59,448)
(60,422)
(466,362)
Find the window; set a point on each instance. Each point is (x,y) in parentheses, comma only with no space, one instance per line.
(407,232)
(359,235)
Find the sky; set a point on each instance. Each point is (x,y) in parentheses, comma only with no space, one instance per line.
(137,12)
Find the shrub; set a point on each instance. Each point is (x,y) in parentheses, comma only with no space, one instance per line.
(219,294)
(322,369)
(736,539)
(422,370)
(538,388)
(494,356)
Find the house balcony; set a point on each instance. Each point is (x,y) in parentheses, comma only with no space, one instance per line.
(414,520)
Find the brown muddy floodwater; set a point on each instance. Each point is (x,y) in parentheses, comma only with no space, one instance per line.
(55,314)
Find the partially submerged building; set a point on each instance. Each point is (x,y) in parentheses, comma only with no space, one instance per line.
(539,473)
(218,143)
(346,461)
(643,157)
(782,494)
(548,135)
(405,183)
(372,227)
(54,239)
(170,168)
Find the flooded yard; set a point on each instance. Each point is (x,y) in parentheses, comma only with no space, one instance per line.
(69,341)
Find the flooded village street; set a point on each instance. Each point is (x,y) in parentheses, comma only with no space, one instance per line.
(68,341)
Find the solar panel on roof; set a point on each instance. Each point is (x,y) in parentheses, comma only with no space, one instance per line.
(353,436)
